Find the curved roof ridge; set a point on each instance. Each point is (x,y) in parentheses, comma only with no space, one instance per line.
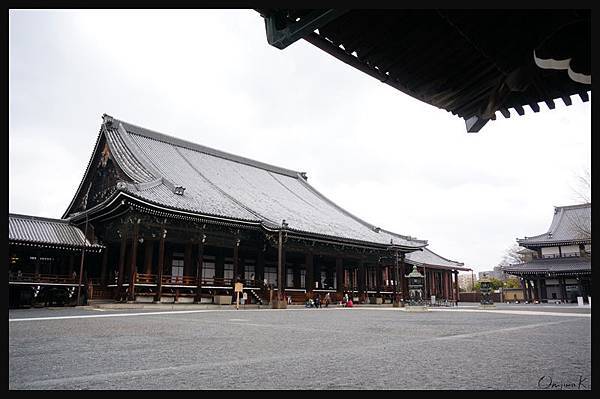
(120,145)
(135,149)
(151,134)
(556,220)
(576,206)
(85,173)
(404,237)
(446,259)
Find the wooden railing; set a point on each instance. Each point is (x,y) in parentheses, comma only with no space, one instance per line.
(142,278)
(44,278)
(179,280)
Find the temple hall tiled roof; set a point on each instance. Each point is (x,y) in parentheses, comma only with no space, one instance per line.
(35,230)
(427,257)
(219,184)
(570,224)
(575,264)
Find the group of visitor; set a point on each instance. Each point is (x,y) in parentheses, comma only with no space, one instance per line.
(317,302)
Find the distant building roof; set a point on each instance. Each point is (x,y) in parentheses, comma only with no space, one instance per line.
(472,63)
(570,224)
(574,265)
(177,174)
(38,231)
(427,257)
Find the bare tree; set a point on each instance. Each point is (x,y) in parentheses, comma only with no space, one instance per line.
(515,254)
(582,221)
(583,189)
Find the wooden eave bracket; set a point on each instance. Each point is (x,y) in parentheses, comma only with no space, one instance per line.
(292,32)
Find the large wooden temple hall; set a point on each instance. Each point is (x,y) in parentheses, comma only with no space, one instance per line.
(167,220)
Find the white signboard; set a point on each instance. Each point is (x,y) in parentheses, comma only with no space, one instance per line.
(579,301)
(433,299)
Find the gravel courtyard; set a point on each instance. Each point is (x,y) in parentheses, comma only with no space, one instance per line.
(359,348)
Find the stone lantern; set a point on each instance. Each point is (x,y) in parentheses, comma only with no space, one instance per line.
(415,291)
(485,287)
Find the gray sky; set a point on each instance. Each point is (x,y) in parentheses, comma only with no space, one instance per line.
(210,77)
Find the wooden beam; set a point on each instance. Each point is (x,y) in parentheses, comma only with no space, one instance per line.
(505,112)
(281,32)
(519,110)
(535,107)
(567,100)
(550,103)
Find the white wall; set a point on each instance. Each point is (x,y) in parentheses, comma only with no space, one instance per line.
(549,252)
(569,249)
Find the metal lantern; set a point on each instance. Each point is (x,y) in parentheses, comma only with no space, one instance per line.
(415,287)
(485,287)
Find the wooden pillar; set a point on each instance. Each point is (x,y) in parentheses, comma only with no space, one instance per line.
(188,265)
(402,279)
(161,261)
(529,295)
(310,272)
(148,252)
(445,283)
(219,263)
(260,265)
(236,254)
(122,251)
(133,265)
(104,266)
(563,289)
(296,279)
(534,289)
(71,263)
(339,274)
(456,291)
(523,288)
(199,264)
(379,276)
(360,275)
(538,286)
(280,261)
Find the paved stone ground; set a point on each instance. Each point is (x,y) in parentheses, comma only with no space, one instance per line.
(358,348)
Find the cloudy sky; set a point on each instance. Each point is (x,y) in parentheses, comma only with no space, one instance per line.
(210,77)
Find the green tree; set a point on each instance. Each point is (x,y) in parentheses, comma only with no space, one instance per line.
(496,283)
(512,282)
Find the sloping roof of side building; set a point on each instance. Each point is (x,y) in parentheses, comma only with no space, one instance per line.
(570,224)
(39,231)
